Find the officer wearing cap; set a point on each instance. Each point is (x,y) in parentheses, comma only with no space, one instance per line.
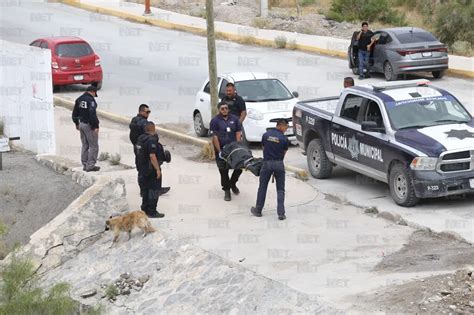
(137,128)
(275,144)
(85,118)
(149,171)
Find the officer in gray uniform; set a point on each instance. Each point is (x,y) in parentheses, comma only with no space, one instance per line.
(85,118)
(275,144)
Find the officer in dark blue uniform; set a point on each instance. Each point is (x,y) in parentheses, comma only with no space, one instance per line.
(149,172)
(226,128)
(85,118)
(137,128)
(275,144)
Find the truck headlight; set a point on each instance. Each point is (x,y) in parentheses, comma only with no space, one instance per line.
(254,114)
(423,163)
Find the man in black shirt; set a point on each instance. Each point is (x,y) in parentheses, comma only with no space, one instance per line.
(365,38)
(85,118)
(235,102)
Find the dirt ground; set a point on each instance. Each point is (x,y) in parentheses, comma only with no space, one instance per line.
(246,12)
(30,196)
(449,293)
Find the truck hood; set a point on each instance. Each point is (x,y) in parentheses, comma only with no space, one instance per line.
(436,139)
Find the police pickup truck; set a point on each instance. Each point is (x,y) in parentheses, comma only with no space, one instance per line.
(416,137)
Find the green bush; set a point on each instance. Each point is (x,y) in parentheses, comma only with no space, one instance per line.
(260,22)
(365,10)
(453,22)
(461,48)
(20,293)
(280,41)
(307,2)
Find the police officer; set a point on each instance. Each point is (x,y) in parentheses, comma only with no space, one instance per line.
(275,144)
(235,102)
(137,128)
(85,118)
(226,128)
(149,171)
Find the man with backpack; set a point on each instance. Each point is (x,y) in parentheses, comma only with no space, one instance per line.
(137,128)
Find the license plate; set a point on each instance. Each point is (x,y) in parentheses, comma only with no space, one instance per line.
(426,54)
(78,77)
(289,132)
(471,182)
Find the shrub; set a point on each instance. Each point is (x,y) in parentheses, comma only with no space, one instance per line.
(20,293)
(365,10)
(103,156)
(248,40)
(280,41)
(260,22)
(307,2)
(461,48)
(115,159)
(453,22)
(111,292)
(291,44)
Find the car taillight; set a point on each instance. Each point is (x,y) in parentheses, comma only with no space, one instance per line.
(404,52)
(442,49)
(97,62)
(54,65)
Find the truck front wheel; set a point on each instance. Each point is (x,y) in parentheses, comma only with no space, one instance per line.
(318,163)
(401,186)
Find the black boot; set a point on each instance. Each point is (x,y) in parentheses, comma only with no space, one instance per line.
(227,195)
(255,212)
(235,189)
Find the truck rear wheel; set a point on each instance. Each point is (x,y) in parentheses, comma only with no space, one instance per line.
(318,163)
(401,186)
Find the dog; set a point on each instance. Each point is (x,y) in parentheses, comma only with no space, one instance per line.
(126,223)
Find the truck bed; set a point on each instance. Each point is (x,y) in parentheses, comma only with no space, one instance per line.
(325,107)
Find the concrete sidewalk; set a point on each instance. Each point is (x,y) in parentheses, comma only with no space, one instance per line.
(324,248)
(458,65)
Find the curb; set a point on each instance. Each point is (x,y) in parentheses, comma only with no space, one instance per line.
(223,35)
(207,148)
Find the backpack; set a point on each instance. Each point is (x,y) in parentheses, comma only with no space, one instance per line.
(136,128)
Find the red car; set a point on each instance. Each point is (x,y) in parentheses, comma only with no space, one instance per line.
(73,61)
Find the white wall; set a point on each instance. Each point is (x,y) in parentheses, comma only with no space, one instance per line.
(26,96)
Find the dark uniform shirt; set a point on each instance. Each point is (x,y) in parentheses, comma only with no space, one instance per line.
(225,129)
(236,104)
(85,111)
(275,143)
(365,39)
(146,145)
(137,128)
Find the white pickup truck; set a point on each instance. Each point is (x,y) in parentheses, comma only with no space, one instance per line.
(416,137)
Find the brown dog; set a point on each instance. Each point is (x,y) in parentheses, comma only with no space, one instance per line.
(127,222)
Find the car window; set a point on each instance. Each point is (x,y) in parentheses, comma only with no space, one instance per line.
(222,89)
(351,107)
(36,43)
(415,37)
(44,45)
(373,113)
(73,50)
(207,88)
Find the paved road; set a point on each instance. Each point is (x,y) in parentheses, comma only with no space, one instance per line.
(165,68)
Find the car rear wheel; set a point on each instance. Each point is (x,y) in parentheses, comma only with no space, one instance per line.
(318,163)
(199,128)
(388,71)
(437,74)
(401,186)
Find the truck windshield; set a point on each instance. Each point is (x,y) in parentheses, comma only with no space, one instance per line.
(425,112)
(265,90)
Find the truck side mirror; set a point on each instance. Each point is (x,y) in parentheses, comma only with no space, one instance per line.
(295,94)
(371,126)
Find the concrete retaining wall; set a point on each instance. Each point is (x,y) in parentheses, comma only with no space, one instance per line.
(26,96)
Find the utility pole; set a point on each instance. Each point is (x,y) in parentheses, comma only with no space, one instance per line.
(147,8)
(211,55)
(263,8)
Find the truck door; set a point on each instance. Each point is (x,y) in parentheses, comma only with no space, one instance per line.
(373,145)
(344,127)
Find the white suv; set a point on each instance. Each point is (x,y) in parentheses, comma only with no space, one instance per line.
(265,98)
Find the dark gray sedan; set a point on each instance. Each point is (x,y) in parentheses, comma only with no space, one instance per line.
(402,50)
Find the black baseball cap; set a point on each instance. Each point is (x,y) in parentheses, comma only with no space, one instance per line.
(92,88)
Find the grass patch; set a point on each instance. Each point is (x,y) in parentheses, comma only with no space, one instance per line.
(111,292)
(280,41)
(103,156)
(291,44)
(115,159)
(260,22)
(462,48)
(248,40)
